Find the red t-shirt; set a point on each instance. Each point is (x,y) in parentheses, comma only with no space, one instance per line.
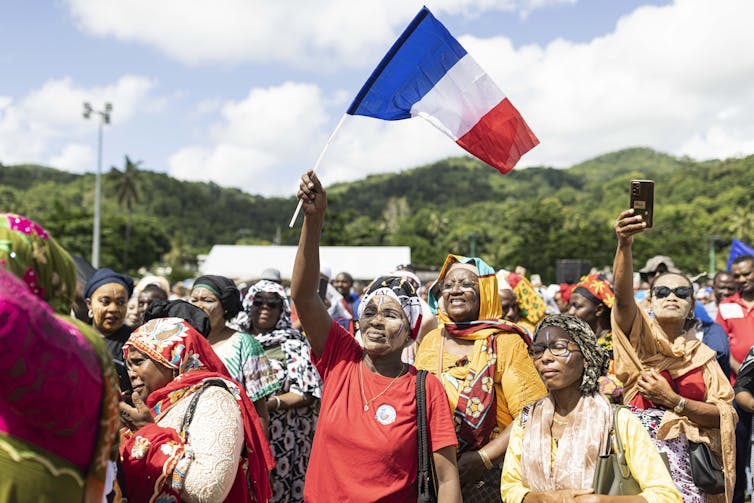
(738,322)
(367,456)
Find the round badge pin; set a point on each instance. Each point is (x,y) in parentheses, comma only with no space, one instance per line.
(385,414)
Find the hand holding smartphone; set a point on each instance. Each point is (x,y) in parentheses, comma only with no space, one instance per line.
(642,199)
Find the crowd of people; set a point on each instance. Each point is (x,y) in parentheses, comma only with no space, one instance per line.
(477,386)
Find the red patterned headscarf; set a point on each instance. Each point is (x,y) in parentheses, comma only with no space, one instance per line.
(597,289)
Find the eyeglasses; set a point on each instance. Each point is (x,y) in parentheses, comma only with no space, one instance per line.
(275,303)
(558,347)
(464,286)
(682,292)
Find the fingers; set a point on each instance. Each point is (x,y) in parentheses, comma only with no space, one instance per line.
(309,187)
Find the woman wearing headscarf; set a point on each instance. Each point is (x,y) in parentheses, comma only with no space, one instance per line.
(483,364)
(192,434)
(592,300)
(293,409)
(58,391)
(107,293)
(555,444)
(243,356)
(672,379)
(365,447)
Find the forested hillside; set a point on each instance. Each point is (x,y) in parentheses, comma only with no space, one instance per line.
(530,217)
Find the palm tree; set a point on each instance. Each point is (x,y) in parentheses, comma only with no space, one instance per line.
(128,195)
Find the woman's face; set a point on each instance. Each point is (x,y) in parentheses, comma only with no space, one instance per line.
(108,304)
(210,304)
(146,375)
(265,311)
(557,359)
(583,308)
(510,305)
(132,312)
(676,305)
(384,326)
(460,294)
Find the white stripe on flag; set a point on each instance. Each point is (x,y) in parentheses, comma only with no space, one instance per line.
(459,99)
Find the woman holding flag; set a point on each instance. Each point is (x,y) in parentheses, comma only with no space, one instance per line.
(365,447)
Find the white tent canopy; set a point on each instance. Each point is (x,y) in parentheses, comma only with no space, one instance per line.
(248,262)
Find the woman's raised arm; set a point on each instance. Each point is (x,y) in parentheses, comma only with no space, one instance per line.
(625,308)
(305,278)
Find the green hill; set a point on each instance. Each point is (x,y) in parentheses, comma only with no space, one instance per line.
(529,217)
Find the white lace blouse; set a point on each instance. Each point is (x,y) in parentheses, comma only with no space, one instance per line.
(216,435)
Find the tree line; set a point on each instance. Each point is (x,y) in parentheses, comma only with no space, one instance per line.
(530,217)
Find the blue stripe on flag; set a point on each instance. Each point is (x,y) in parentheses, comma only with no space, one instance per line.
(420,57)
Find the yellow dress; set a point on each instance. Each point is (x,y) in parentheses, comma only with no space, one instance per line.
(517,383)
(643,459)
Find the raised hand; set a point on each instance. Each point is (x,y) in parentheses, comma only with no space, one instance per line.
(312,194)
(627,225)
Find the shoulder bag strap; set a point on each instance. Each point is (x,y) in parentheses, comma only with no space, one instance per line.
(425,472)
(189,415)
(625,471)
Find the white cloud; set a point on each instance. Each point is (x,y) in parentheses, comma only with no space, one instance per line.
(37,127)
(323,34)
(75,158)
(260,141)
(654,81)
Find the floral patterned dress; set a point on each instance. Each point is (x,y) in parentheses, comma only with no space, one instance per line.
(292,431)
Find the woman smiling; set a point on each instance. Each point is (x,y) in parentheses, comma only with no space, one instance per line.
(365,447)
(483,365)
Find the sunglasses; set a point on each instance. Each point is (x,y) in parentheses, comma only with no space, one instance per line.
(557,348)
(270,303)
(682,292)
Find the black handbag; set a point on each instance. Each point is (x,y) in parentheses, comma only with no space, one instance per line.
(426,478)
(612,475)
(705,469)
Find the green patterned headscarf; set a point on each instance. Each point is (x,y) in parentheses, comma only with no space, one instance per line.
(29,252)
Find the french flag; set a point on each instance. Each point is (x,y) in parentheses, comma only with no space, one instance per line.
(428,74)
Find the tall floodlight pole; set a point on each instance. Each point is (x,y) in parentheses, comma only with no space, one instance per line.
(104,116)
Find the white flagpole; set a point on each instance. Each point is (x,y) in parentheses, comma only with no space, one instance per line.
(316,165)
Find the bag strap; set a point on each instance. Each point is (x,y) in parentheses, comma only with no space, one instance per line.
(619,453)
(189,415)
(425,471)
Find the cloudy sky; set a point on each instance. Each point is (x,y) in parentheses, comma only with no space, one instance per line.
(246,92)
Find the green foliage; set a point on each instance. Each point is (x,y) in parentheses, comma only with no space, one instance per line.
(530,217)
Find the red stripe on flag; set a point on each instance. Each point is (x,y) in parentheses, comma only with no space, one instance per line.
(500,137)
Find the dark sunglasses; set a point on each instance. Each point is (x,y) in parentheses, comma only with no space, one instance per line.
(271,303)
(682,292)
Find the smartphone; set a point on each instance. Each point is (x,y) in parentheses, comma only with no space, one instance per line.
(643,199)
(322,290)
(124,382)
